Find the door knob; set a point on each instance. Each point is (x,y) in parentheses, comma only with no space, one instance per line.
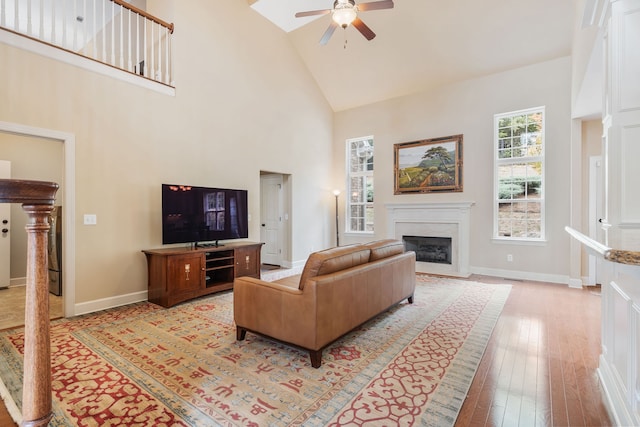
(4,221)
(5,230)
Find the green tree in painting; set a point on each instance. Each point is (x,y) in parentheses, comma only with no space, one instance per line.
(440,153)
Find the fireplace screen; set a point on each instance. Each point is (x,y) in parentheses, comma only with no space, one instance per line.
(429,249)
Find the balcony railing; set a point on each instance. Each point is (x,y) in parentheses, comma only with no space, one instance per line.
(113,32)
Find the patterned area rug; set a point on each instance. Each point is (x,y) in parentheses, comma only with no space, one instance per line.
(144,365)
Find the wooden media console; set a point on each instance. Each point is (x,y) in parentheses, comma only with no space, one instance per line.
(180,274)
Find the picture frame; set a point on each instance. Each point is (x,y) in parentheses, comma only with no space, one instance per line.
(428,165)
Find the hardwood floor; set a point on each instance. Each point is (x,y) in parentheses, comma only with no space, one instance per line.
(5,419)
(12,302)
(539,368)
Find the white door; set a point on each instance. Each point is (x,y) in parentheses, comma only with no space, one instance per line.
(5,231)
(271,221)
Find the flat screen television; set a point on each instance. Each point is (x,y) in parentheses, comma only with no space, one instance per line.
(203,215)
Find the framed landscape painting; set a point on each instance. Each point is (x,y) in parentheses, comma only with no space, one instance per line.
(428,165)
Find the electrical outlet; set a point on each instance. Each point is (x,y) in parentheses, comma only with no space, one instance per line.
(90,219)
(509,258)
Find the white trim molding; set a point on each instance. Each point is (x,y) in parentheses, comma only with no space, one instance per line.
(111,302)
(522,275)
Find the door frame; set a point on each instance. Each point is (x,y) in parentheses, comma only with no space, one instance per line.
(5,214)
(595,211)
(285,206)
(68,141)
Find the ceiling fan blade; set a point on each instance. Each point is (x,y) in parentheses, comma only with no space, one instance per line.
(375,5)
(362,27)
(312,13)
(327,34)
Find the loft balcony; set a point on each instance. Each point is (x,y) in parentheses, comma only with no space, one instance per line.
(111,32)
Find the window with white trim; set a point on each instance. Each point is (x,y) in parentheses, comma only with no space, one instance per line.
(359,195)
(519,175)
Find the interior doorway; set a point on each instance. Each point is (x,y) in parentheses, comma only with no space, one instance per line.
(274,218)
(63,144)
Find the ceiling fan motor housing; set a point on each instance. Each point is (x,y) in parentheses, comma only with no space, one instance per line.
(343,2)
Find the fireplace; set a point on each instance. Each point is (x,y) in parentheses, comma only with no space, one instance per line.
(429,249)
(438,233)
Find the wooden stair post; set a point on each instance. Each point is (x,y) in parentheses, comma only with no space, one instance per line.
(37,199)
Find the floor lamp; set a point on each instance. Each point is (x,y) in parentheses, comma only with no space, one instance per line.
(337,193)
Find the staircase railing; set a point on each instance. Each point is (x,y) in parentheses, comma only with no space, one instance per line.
(113,32)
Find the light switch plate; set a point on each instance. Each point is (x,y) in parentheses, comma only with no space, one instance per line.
(90,219)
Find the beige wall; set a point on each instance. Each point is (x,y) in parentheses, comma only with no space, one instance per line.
(36,159)
(244,103)
(468,108)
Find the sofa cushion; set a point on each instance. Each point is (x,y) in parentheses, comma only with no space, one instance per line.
(334,259)
(384,248)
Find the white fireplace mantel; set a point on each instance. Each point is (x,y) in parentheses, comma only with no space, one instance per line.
(439,219)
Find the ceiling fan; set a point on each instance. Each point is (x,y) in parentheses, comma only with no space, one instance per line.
(345,13)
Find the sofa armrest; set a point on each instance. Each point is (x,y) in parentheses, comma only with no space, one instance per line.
(275,310)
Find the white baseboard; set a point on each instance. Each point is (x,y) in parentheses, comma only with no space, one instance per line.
(294,264)
(285,264)
(111,302)
(521,275)
(614,401)
(17,281)
(575,283)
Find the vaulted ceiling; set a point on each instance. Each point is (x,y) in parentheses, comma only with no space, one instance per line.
(421,44)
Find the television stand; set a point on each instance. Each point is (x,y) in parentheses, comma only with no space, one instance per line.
(179,274)
(216,244)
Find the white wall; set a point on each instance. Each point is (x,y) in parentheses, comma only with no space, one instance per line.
(586,58)
(244,103)
(468,108)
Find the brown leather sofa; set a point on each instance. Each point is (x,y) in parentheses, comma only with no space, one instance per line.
(338,290)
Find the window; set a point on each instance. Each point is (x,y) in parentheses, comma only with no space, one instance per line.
(519,175)
(360,185)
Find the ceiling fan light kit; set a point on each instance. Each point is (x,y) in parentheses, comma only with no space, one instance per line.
(345,13)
